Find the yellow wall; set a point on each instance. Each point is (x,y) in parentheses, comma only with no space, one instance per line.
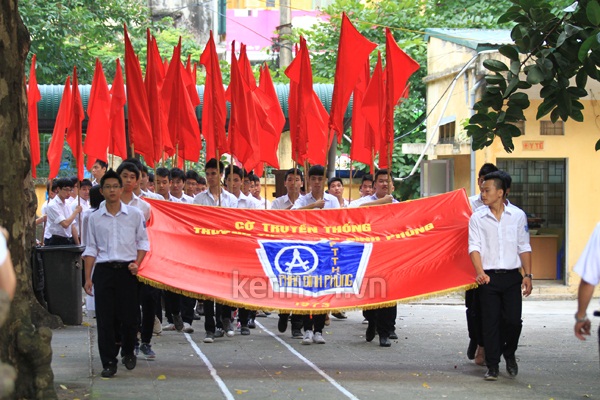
(576,146)
(262,4)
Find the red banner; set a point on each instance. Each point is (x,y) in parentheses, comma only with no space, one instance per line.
(305,261)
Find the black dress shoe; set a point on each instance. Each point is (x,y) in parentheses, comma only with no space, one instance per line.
(109,371)
(491,374)
(384,341)
(371,330)
(283,322)
(471,349)
(393,335)
(511,366)
(130,361)
(251,323)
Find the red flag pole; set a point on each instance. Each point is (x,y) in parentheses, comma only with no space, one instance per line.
(351,178)
(218,173)
(79,215)
(265,176)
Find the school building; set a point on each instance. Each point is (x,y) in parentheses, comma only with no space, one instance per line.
(552,165)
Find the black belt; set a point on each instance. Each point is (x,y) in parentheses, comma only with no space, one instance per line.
(114,264)
(500,271)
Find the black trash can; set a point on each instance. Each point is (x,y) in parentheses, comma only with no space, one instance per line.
(62,281)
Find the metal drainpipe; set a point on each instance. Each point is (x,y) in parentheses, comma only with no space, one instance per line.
(473,93)
(437,125)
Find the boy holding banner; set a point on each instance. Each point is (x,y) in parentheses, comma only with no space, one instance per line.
(499,248)
(315,199)
(215,196)
(381,320)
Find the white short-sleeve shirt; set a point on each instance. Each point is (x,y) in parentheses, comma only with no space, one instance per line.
(588,265)
(499,242)
(3,249)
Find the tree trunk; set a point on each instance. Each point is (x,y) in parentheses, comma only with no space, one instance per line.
(24,343)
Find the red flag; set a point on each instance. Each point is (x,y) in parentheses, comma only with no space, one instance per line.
(74,134)
(190,82)
(298,143)
(96,139)
(182,121)
(360,126)
(353,51)
(246,68)
(311,115)
(61,123)
(116,143)
(399,67)
(243,124)
(140,129)
(214,111)
(373,109)
(33,97)
(272,125)
(155,76)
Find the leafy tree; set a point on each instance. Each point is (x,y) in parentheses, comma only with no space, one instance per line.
(408,20)
(551,46)
(67,33)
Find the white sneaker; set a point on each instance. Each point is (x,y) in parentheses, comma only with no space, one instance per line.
(228,327)
(308,337)
(187,328)
(318,338)
(157,329)
(169,327)
(365,321)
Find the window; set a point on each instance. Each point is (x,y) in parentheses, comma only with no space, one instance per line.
(447,133)
(547,128)
(270,3)
(520,125)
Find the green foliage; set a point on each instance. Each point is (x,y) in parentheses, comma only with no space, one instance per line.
(407,19)
(67,33)
(552,47)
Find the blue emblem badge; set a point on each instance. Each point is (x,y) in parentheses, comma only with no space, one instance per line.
(314,268)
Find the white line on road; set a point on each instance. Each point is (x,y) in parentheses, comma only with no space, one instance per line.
(309,363)
(213,371)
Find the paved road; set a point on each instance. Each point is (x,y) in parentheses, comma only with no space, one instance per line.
(427,361)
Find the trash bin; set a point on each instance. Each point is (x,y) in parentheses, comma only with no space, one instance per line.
(62,281)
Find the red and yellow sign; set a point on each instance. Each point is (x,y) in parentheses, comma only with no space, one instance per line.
(306,261)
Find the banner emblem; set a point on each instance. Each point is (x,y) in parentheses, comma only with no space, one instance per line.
(314,268)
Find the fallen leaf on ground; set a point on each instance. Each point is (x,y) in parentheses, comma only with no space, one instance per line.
(240,391)
(278,373)
(63,387)
(161,378)
(425,385)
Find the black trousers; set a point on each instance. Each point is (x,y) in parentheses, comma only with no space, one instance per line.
(501,306)
(56,240)
(116,294)
(296,320)
(243,314)
(149,298)
(209,316)
(474,315)
(383,318)
(315,322)
(176,303)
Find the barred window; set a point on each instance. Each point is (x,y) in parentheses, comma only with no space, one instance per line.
(548,128)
